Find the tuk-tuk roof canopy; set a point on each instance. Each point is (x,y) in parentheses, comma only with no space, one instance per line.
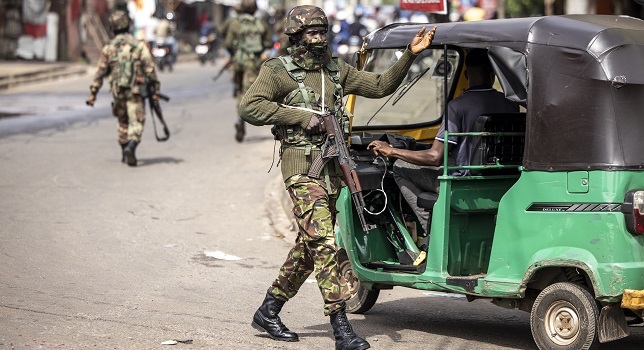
(572,31)
(581,78)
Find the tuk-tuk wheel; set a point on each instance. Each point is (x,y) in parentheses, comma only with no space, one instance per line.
(362,299)
(565,316)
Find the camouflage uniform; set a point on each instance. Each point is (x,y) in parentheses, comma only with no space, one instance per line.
(315,248)
(296,81)
(128,106)
(246,71)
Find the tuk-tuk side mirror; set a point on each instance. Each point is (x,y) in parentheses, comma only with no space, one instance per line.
(633,209)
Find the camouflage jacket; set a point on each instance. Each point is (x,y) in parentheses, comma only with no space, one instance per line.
(143,66)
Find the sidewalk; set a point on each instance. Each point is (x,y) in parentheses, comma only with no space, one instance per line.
(15,73)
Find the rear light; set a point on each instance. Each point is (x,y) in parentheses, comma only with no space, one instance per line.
(633,209)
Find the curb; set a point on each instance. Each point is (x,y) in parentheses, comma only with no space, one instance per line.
(50,73)
(278,207)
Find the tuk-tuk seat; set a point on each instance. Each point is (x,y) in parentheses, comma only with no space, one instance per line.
(498,149)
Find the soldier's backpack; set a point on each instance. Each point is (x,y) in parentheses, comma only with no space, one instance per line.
(127,53)
(248,44)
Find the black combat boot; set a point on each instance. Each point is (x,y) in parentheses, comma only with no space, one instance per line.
(345,338)
(123,145)
(128,152)
(267,320)
(240,130)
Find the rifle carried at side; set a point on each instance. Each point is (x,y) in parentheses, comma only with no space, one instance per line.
(223,69)
(155,109)
(335,146)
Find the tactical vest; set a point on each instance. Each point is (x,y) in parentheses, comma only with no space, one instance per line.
(306,97)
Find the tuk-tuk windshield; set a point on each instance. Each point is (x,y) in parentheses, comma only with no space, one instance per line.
(419,99)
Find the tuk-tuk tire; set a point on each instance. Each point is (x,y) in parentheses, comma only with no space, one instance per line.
(362,299)
(572,302)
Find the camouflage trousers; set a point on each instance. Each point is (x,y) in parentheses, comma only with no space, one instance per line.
(315,249)
(243,77)
(130,113)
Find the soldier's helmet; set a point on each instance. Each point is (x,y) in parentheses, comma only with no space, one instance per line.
(119,21)
(248,6)
(304,16)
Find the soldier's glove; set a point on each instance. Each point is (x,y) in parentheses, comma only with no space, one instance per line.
(90,101)
(315,126)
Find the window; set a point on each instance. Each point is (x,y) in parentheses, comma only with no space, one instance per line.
(412,103)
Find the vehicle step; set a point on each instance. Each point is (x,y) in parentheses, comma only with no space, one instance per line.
(378,265)
(466,282)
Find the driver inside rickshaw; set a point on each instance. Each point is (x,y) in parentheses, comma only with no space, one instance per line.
(417,171)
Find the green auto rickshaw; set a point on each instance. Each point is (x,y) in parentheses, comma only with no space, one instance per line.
(550,219)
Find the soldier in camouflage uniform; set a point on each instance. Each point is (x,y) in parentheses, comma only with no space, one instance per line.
(128,64)
(286,94)
(246,63)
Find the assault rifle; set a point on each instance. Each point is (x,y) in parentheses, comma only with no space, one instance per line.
(335,146)
(223,69)
(155,108)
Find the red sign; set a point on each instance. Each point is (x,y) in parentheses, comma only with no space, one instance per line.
(433,6)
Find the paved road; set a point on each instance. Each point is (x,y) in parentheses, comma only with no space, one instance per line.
(94,254)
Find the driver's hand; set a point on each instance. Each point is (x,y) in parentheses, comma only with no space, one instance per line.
(90,101)
(380,148)
(421,41)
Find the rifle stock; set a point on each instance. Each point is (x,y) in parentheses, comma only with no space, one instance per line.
(223,69)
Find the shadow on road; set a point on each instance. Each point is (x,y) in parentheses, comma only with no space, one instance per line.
(152,161)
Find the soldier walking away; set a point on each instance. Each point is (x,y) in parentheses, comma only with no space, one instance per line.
(247,38)
(129,66)
(289,93)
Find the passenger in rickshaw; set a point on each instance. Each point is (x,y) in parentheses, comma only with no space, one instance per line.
(417,171)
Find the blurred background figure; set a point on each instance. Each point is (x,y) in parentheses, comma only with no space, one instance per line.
(248,40)
(142,14)
(166,47)
(281,43)
(206,49)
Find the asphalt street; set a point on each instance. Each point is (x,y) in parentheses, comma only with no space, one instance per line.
(98,255)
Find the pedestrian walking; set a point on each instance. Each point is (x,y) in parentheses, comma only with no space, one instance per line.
(289,93)
(129,66)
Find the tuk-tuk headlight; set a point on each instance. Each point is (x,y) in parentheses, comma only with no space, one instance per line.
(633,209)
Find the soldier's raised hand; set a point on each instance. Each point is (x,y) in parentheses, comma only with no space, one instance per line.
(421,41)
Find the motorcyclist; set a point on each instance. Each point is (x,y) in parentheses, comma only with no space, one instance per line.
(207,30)
(165,32)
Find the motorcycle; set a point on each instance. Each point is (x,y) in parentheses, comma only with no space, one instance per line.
(205,50)
(162,54)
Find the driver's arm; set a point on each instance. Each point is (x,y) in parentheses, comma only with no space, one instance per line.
(432,156)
